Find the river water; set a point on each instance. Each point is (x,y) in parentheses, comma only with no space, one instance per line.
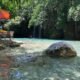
(46,68)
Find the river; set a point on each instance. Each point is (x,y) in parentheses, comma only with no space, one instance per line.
(46,68)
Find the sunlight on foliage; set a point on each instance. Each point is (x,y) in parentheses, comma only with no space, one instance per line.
(14,21)
(37,15)
(74,13)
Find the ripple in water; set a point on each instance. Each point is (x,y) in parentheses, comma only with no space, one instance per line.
(45,68)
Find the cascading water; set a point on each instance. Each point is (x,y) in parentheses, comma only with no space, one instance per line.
(34,30)
(40,28)
(37,31)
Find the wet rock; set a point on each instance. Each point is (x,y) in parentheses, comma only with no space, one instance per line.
(2,47)
(9,43)
(21,60)
(61,49)
(16,74)
(14,44)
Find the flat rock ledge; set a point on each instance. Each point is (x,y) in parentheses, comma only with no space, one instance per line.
(2,47)
(7,43)
(61,49)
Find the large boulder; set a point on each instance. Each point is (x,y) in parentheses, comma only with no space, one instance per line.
(61,49)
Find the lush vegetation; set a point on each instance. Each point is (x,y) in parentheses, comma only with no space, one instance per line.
(52,16)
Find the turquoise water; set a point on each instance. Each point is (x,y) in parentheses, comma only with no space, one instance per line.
(49,69)
(46,68)
(75,44)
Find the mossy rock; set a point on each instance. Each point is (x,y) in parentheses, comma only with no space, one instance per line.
(61,49)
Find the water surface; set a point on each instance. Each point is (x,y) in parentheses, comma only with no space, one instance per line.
(45,68)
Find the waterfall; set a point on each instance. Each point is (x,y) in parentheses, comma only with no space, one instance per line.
(34,30)
(37,31)
(76,35)
(40,28)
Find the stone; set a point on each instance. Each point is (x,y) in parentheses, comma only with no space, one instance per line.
(21,60)
(2,47)
(14,44)
(61,49)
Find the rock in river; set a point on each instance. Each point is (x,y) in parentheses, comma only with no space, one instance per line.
(2,47)
(61,49)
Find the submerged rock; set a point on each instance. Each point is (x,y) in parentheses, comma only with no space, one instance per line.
(21,60)
(61,49)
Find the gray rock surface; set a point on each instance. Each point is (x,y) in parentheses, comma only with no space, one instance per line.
(22,60)
(61,49)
